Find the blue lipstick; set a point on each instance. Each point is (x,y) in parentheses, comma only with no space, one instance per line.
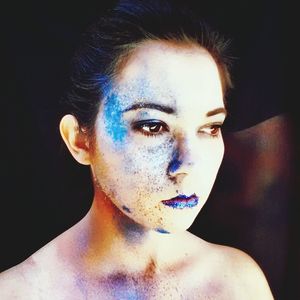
(182,201)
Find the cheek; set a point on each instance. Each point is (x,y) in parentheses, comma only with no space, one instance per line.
(213,158)
(217,152)
(149,163)
(139,168)
(220,153)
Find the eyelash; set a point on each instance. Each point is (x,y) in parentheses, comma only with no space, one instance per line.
(138,126)
(214,127)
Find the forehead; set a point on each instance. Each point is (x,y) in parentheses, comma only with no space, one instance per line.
(176,74)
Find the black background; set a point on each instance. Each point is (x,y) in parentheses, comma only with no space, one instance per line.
(43,190)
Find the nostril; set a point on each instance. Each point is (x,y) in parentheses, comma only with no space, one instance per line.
(178,178)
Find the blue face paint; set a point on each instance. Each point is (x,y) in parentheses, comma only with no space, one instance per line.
(160,230)
(81,284)
(175,162)
(126,209)
(115,126)
(126,295)
(123,288)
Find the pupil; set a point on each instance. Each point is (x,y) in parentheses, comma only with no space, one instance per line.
(215,130)
(154,128)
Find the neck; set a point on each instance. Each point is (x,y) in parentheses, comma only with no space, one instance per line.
(114,243)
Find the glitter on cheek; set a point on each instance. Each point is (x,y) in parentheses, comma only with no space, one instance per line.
(148,166)
(143,172)
(155,161)
(114,124)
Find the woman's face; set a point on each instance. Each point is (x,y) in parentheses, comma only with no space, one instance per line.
(157,135)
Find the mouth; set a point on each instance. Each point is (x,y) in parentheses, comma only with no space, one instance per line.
(182,201)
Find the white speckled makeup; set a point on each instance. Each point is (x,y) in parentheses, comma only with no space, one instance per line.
(145,155)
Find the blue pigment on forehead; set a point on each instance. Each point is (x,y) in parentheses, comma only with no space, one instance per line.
(160,230)
(175,162)
(115,126)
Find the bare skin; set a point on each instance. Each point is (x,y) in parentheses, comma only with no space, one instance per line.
(183,266)
(118,250)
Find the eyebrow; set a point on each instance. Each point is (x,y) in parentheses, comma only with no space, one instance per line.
(170,110)
(163,108)
(216,111)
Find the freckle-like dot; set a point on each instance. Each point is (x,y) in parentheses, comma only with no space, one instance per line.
(125,208)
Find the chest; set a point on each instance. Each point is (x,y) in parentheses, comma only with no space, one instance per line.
(177,283)
(133,288)
(130,288)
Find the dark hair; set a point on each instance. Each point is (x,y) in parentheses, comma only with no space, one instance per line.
(109,40)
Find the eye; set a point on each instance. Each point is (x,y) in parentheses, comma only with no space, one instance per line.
(150,128)
(212,130)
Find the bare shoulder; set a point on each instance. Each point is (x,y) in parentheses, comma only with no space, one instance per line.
(240,272)
(28,279)
(15,282)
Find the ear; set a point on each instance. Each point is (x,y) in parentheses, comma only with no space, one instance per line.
(75,139)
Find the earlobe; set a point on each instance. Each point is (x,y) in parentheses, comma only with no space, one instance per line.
(75,139)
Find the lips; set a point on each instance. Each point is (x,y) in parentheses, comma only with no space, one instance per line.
(182,201)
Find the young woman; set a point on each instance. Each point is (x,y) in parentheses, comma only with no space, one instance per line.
(145,110)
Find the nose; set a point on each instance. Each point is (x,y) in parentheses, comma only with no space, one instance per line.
(182,161)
